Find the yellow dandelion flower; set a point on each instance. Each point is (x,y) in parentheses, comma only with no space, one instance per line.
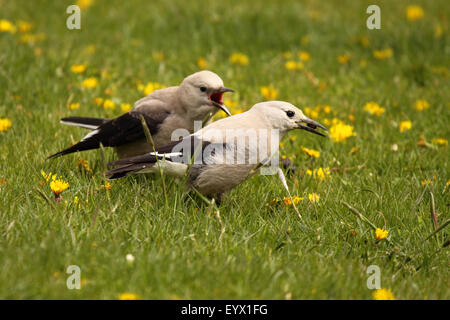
(426,182)
(109,104)
(405,125)
(98,101)
(313,197)
(374,108)
(269,92)
(327,109)
(150,87)
(107,185)
(297,199)
(58,186)
(84,4)
(7,26)
(24,26)
(89,83)
(320,173)
(381,234)
(288,201)
(344,58)
(383,54)
(383,294)
(312,113)
(239,58)
(421,105)
(323,173)
(5,124)
(293,65)
(436,141)
(125,107)
(311,152)
(201,63)
(304,55)
(340,131)
(414,12)
(78,68)
(129,296)
(74,106)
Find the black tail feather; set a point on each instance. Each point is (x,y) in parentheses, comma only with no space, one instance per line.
(84,122)
(145,158)
(124,171)
(80,146)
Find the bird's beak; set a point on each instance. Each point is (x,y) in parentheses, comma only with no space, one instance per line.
(224,89)
(222,107)
(310,126)
(216,99)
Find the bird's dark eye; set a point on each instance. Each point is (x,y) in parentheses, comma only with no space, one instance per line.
(290,113)
(202,89)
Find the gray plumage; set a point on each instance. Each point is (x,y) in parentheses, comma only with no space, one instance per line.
(198,97)
(226,152)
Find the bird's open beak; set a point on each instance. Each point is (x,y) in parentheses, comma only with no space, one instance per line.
(224,89)
(216,99)
(224,108)
(310,126)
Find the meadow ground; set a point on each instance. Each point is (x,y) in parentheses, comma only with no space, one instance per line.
(392,159)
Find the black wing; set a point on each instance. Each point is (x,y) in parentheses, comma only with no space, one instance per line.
(124,129)
(84,122)
(178,151)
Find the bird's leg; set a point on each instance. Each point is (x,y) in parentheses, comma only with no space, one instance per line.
(208,199)
(219,198)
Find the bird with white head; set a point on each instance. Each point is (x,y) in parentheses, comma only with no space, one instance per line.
(226,152)
(197,98)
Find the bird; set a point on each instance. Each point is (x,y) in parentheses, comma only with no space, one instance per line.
(198,97)
(225,153)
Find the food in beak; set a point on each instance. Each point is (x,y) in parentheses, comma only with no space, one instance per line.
(311,126)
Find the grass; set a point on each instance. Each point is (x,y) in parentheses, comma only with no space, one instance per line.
(254,250)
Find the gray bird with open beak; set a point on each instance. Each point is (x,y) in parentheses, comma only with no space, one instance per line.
(197,98)
(226,152)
